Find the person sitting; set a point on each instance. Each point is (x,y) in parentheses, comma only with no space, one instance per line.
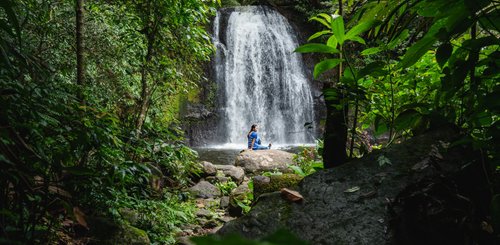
(254,142)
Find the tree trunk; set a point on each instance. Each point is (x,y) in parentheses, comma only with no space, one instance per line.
(145,90)
(79,43)
(335,136)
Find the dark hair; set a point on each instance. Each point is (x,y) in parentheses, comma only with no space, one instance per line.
(252,129)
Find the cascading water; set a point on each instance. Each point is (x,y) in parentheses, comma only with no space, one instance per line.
(260,79)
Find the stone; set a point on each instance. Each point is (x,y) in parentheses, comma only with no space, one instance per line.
(204,213)
(208,168)
(224,202)
(209,203)
(291,195)
(204,189)
(237,174)
(327,215)
(256,162)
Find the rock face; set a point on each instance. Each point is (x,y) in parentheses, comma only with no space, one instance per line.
(264,160)
(349,204)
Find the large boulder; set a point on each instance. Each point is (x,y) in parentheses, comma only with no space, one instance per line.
(356,202)
(256,162)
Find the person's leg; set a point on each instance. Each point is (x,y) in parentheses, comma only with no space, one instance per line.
(260,147)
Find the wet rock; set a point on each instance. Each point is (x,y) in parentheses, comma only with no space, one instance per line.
(264,160)
(205,190)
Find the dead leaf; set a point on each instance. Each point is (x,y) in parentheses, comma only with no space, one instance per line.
(487,227)
(80,217)
(352,189)
(290,195)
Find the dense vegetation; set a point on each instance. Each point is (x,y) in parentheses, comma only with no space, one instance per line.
(103,139)
(90,93)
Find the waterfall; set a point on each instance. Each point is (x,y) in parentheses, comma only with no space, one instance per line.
(260,79)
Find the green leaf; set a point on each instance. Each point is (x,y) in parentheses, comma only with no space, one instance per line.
(443,53)
(324,66)
(407,119)
(316,48)
(297,170)
(416,51)
(383,160)
(318,34)
(357,39)
(402,36)
(360,28)
(374,69)
(370,51)
(322,21)
(332,41)
(338,29)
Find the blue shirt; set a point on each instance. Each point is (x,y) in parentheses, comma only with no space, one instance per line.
(253,135)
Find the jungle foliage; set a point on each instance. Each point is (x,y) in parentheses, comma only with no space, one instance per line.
(70,150)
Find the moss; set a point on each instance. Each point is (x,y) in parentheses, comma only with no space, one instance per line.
(276,183)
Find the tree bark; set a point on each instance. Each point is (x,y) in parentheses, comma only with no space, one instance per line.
(79,43)
(335,136)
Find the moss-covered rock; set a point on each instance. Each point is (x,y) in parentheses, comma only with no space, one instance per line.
(275,183)
(105,231)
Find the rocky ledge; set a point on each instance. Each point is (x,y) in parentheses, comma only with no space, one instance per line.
(411,193)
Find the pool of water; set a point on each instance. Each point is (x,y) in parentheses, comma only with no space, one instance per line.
(226,154)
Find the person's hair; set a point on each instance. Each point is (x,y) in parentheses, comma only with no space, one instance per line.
(252,129)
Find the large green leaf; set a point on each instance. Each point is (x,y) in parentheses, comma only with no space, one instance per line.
(338,29)
(360,28)
(416,51)
(324,66)
(316,48)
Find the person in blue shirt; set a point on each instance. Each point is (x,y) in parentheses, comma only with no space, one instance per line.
(254,142)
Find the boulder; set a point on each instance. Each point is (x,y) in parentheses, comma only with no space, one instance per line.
(208,168)
(353,203)
(205,190)
(105,231)
(236,173)
(256,162)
